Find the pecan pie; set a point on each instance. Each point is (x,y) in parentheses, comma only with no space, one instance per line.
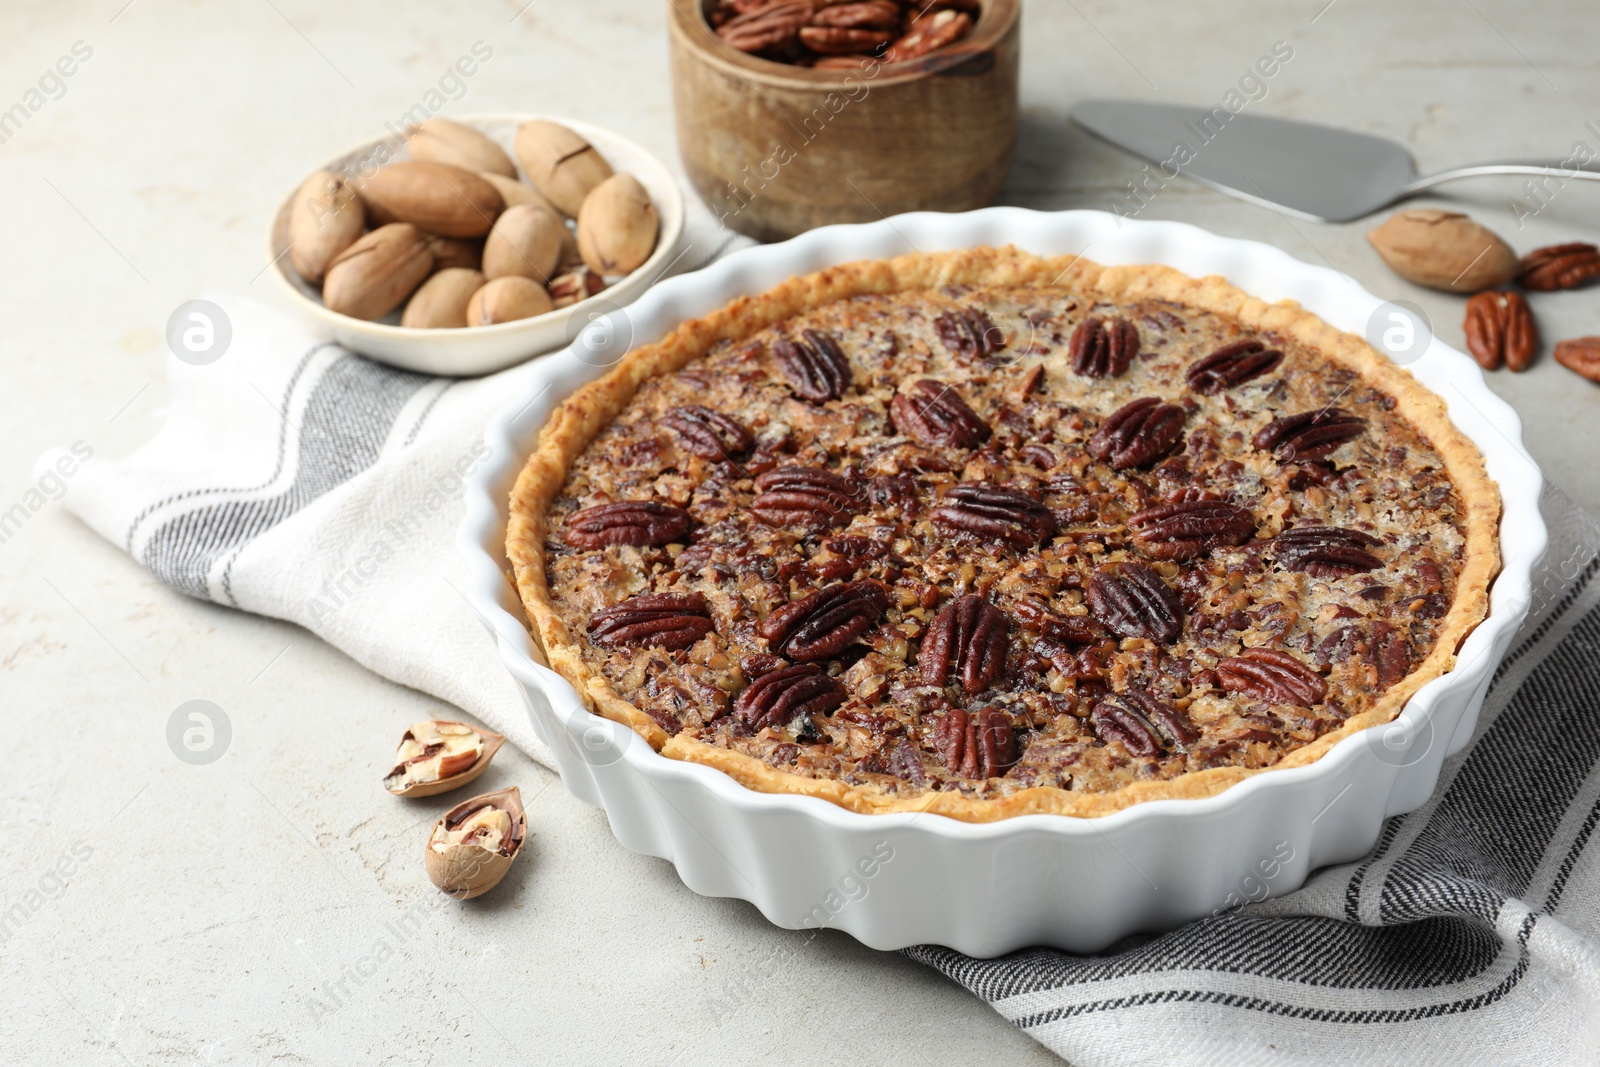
(986,534)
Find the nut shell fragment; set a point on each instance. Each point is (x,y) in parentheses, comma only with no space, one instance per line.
(436,756)
(473,845)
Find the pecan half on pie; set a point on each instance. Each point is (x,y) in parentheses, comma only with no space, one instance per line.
(986,534)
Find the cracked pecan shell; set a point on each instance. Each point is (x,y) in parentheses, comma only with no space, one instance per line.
(1559,266)
(1310,434)
(995,513)
(628,522)
(969,332)
(1130,599)
(1103,348)
(1273,676)
(1143,723)
(804,496)
(709,434)
(1230,366)
(934,414)
(970,637)
(1186,528)
(1138,433)
(779,697)
(975,744)
(815,365)
(1326,552)
(825,623)
(661,620)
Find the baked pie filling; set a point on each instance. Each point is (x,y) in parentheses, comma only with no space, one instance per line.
(1013,536)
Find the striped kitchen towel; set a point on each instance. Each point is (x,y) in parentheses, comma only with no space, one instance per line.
(1470,934)
(297,480)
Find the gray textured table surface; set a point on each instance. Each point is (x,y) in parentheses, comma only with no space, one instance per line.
(248,911)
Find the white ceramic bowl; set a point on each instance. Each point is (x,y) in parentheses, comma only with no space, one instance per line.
(484,349)
(986,889)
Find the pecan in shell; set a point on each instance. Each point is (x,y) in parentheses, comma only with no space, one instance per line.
(1559,266)
(1130,599)
(709,434)
(767,26)
(1500,326)
(975,744)
(1581,355)
(933,414)
(970,332)
(1186,528)
(628,522)
(1102,349)
(995,513)
(969,636)
(823,624)
(659,620)
(803,496)
(778,697)
(1326,552)
(1138,433)
(1143,722)
(1310,434)
(815,365)
(1273,676)
(1230,366)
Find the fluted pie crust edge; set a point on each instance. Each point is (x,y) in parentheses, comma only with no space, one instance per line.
(586,413)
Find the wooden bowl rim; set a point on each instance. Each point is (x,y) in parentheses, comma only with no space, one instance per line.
(691,30)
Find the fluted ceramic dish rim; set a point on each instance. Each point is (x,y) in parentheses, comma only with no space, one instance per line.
(1261,270)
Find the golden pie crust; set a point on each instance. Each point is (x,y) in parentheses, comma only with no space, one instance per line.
(581,418)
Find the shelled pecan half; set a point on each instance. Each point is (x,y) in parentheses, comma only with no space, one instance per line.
(970,637)
(1310,434)
(815,365)
(1500,327)
(934,414)
(1143,723)
(661,620)
(976,744)
(1231,365)
(628,522)
(1132,600)
(779,697)
(709,434)
(1138,433)
(1559,266)
(1103,349)
(823,624)
(1326,551)
(995,513)
(1273,676)
(804,496)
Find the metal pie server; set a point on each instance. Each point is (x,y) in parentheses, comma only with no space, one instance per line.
(1315,172)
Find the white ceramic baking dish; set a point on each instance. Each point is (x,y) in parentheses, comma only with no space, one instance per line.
(986,889)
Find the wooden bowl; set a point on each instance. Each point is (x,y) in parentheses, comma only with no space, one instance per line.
(775,150)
